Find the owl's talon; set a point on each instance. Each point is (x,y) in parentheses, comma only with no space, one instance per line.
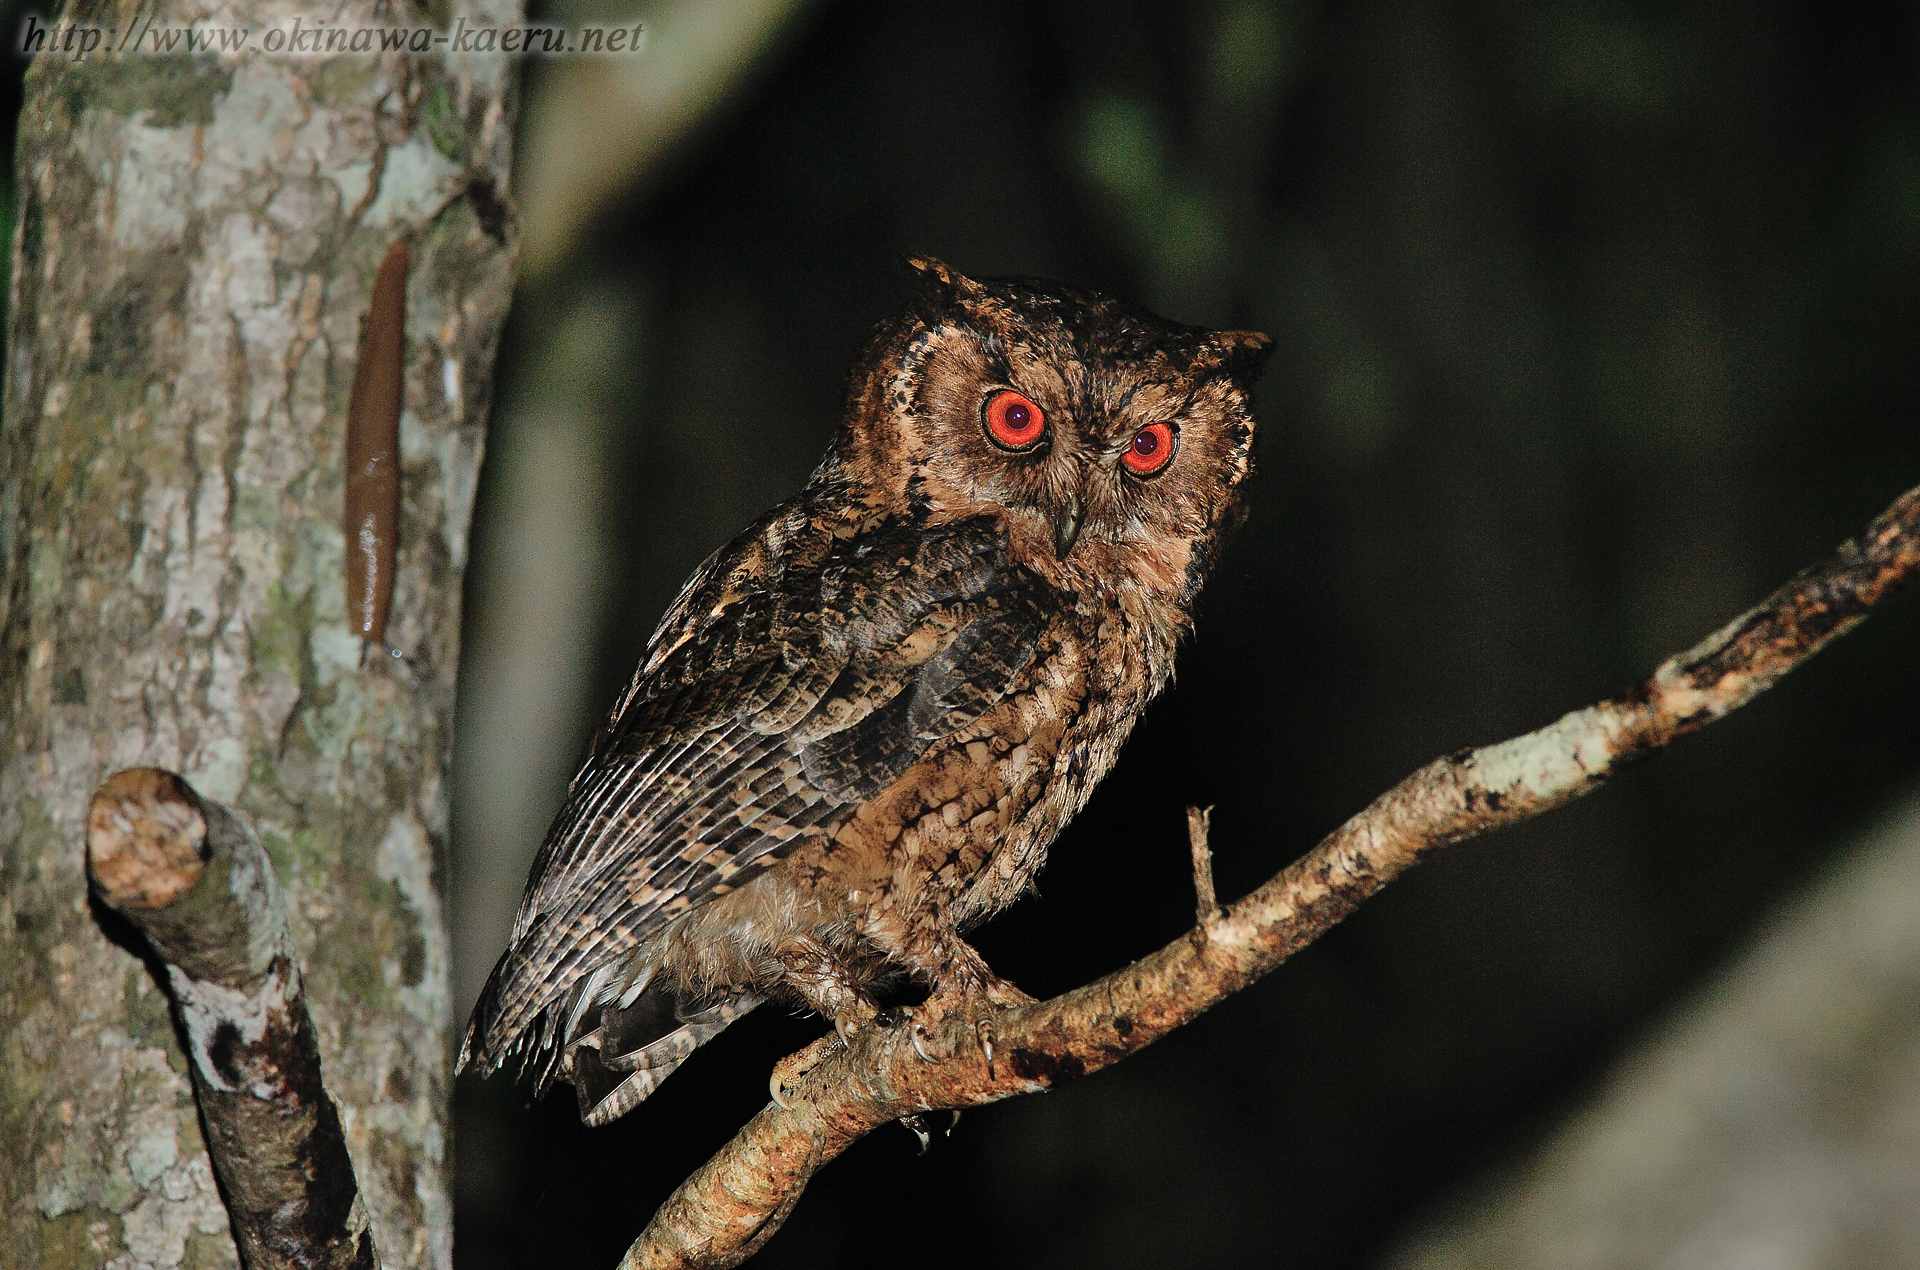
(917,1125)
(789,1071)
(983,1029)
(919,1042)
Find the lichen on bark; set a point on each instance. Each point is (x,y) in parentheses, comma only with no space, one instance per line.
(195,247)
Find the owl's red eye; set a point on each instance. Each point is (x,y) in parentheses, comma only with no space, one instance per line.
(1013,422)
(1149,450)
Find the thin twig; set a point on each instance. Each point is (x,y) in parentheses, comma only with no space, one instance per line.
(1199,825)
(198,885)
(880,1078)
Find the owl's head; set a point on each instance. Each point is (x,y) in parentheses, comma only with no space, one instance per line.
(1113,443)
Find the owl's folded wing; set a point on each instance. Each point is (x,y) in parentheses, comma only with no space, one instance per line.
(770,722)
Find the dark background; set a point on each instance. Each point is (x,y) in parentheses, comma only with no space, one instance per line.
(1595,322)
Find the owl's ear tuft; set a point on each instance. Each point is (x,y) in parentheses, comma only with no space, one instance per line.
(1243,354)
(936,270)
(941,280)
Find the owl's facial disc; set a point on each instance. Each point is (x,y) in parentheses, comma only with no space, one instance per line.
(1110,443)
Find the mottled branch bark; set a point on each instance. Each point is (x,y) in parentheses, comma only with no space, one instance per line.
(191,878)
(731,1203)
(194,256)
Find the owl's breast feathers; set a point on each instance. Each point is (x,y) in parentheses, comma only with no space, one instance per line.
(804,669)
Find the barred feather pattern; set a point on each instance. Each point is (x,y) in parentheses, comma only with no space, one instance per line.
(862,723)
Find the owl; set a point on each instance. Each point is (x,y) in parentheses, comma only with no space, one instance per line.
(863,722)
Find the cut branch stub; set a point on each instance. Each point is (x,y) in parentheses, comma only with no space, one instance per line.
(146,839)
(191,877)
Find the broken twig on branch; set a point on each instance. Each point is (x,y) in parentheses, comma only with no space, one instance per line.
(190,876)
(728,1207)
(1199,826)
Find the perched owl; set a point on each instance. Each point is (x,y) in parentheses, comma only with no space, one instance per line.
(864,720)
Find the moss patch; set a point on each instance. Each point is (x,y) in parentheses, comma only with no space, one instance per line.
(80,1240)
(171,90)
(444,126)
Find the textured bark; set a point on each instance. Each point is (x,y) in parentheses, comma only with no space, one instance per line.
(196,883)
(735,1201)
(195,252)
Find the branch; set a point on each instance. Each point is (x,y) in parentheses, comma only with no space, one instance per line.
(732,1203)
(197,884)
(1206,909)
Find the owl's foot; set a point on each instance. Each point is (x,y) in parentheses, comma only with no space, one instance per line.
(788,1071)
(1005,996)
(982,1031)
(856,1013)
(973,997)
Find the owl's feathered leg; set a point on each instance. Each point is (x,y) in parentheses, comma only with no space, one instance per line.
(825,985)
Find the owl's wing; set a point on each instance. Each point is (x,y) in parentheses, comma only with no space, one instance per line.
(784,689)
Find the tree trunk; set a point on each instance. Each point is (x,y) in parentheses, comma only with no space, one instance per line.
(196,247)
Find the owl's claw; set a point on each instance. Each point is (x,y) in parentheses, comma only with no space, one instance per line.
(789,1070)
(917,1124)
(976,999)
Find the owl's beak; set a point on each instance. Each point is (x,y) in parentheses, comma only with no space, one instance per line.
(1066,525)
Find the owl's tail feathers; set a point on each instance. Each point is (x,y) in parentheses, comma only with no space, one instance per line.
(631,1049)
(615,1054)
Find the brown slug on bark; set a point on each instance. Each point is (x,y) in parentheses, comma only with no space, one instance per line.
(373,452)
